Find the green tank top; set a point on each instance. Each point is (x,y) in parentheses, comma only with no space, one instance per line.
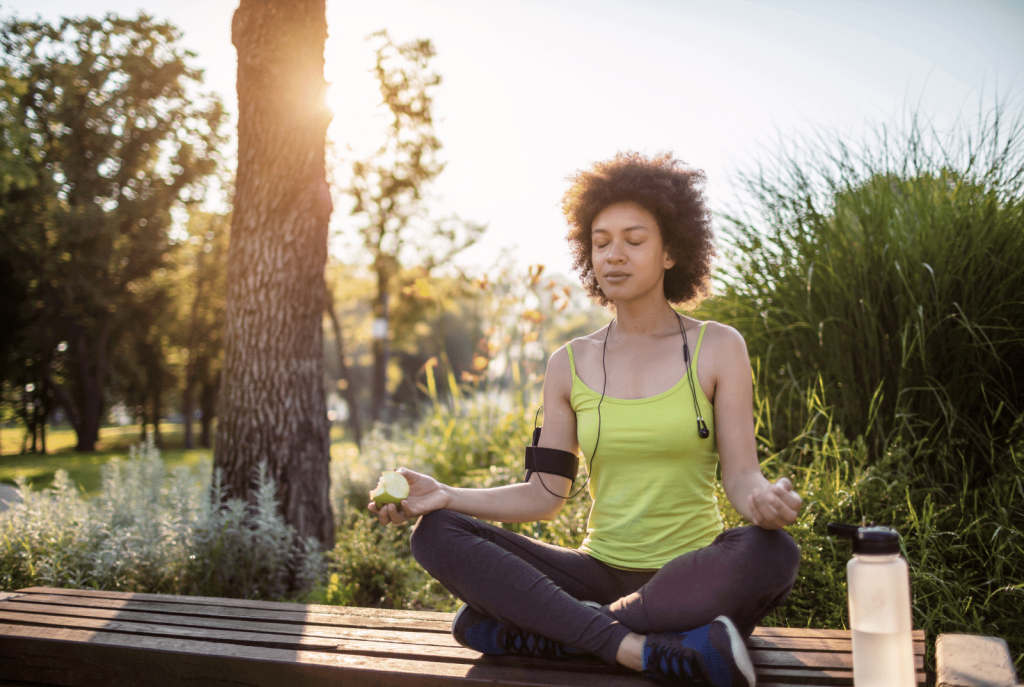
(653,478)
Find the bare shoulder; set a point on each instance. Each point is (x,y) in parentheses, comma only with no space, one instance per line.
(588,344)
(558,377)
(724,344)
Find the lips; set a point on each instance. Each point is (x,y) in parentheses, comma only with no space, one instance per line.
(615,276)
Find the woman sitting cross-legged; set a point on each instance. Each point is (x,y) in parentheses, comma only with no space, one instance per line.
(656,401)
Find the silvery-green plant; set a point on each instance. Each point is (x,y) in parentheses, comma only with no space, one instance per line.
(148,531)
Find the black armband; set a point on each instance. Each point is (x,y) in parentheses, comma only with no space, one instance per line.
(553,460)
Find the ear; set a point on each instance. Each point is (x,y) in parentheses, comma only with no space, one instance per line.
(669,262)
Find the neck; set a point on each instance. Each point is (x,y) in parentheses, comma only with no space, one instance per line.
(651,317)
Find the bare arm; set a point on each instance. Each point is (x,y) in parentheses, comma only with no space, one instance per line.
(524,502)
(769,505)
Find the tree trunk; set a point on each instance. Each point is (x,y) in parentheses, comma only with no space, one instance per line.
(158,411)
(144,419)
(272,403)
(188,409)
(208,408)
(188,395)
(350,391)
(92,370)
(379,388)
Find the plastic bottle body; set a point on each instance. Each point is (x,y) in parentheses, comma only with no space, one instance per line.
(879,593)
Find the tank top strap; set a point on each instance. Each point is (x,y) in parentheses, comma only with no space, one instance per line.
(700,338)
(572,360)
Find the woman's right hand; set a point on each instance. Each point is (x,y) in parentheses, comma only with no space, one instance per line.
(426,494)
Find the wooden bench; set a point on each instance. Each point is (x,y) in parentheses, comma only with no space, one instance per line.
(84,638)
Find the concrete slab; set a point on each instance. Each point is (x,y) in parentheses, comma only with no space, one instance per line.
(963,660)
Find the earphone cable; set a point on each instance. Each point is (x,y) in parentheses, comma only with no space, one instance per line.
(604,386)
(702,429)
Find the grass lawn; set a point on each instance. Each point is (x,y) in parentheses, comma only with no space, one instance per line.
(84,468)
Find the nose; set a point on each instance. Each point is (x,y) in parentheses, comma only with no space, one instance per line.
(616,252)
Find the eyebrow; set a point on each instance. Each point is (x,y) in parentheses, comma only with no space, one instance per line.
(637,227)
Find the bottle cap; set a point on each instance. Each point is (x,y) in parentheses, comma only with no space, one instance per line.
(876,540)
(867,540)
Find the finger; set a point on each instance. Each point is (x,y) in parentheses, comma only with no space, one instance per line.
(400,515)
(757,517)
(773,501)
(793,500)
(393,513)
(785,483)
(770,508)
(788,508)
(785,496)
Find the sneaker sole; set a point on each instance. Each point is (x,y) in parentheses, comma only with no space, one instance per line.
(739,650)
(455,621)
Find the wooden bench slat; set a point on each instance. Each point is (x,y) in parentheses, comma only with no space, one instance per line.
(815,659)
(918,635)
(434,638)
(245,603)
(335,619)
(369,646)
(87,658)
(806,644)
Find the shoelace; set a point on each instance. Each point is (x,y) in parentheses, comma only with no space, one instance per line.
(672,661)
(517,641)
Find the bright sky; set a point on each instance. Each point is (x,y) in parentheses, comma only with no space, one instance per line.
(534,89)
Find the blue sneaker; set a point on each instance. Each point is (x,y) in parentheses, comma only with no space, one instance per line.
(476,631)
(714,653)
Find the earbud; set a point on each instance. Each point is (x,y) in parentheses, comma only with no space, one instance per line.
(702,429)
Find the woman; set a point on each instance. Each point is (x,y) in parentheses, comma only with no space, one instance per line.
(658,585)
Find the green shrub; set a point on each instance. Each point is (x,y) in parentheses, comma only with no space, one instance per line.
(893,271)
(372,566)
(148,532)
(963,543)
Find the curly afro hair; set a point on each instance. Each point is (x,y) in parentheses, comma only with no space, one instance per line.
(672,192)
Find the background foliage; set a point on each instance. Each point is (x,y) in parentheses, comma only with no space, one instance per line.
(148,531)
(878,284)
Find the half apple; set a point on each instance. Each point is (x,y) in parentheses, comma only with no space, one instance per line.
(392,488)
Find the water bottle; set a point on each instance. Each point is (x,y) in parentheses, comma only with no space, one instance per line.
(879,596)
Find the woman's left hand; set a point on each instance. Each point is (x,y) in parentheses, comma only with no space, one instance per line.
(774,505)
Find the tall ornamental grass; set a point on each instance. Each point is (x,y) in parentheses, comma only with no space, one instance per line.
(893,270)
(148,531)
(964,545)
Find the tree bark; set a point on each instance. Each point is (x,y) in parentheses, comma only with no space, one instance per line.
(272,403)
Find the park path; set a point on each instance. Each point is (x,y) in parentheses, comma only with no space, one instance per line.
(8,495)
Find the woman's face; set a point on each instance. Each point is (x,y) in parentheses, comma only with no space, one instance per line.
(627,251)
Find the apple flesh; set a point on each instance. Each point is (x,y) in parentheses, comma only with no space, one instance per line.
(392,488)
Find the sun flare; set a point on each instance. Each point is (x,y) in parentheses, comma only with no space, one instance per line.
(358,126)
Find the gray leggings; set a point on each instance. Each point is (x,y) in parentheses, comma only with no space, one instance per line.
(743,574)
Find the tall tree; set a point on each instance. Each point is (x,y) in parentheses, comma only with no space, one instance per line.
(390,190)
(202,316)
(104,134)
(272,403)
